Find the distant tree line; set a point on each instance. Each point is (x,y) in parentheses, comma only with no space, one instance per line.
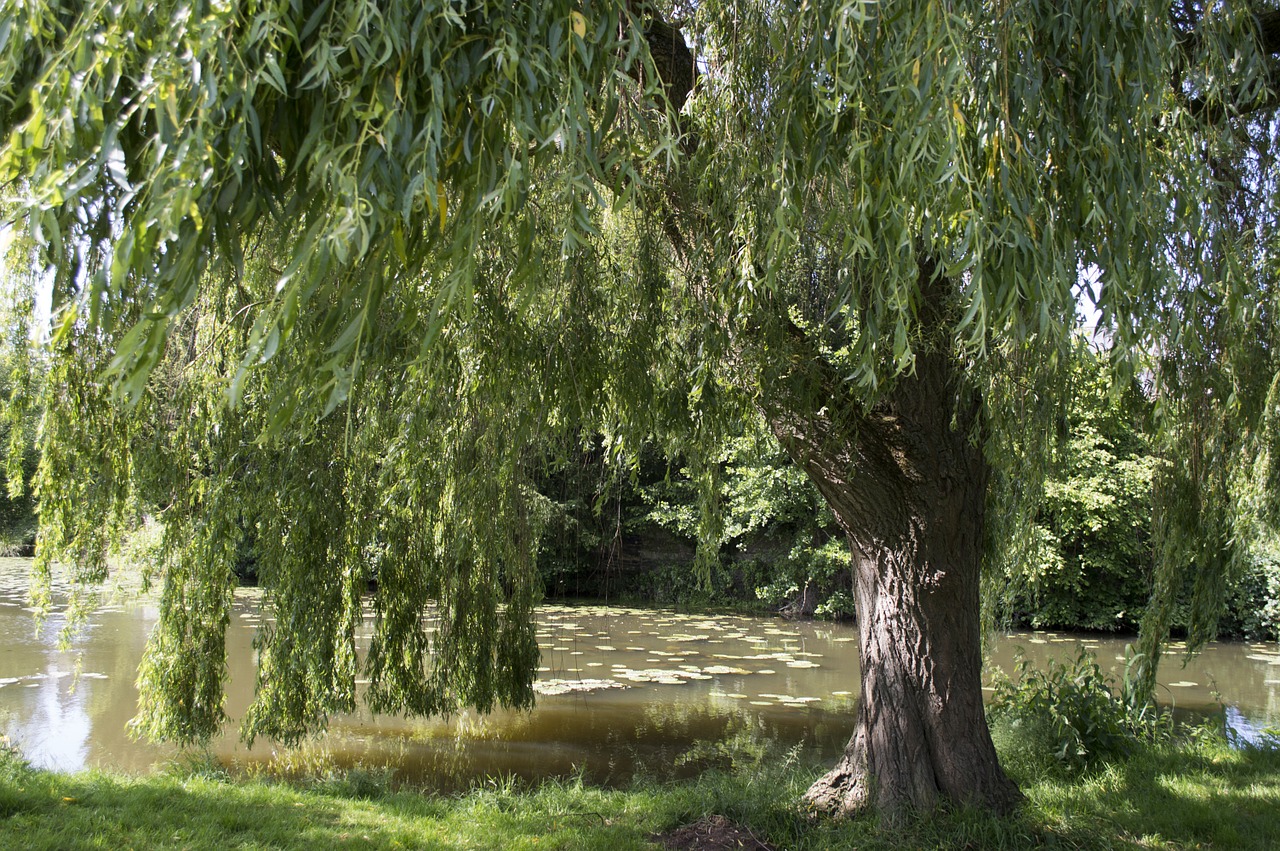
(18,423)
(632,534)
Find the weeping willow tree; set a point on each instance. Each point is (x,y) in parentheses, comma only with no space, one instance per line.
(342,277)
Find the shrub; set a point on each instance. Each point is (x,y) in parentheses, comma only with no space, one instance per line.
(1066,717)
(1253,600)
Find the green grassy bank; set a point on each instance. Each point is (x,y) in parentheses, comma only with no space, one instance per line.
(1192,792)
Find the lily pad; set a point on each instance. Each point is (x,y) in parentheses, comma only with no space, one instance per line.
(724,669)
(556,687)
(655,675)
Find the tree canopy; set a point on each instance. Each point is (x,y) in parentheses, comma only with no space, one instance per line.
(340,276)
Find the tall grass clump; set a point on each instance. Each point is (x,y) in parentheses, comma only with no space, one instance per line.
(12,769)
(23,789)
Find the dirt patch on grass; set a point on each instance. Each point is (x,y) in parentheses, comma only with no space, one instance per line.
(711,833)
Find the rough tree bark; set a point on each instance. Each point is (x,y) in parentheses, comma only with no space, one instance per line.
(908,489)
(907,482)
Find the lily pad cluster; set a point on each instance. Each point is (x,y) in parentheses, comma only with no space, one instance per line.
(663,649)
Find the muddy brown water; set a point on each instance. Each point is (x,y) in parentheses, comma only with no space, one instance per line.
(666,693)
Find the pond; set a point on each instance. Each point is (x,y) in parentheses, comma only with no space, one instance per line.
(662,685)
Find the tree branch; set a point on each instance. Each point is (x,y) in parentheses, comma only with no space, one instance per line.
(672,59)
(1212,111)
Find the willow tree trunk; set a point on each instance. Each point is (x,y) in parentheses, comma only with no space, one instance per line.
(907,482)
(908,485)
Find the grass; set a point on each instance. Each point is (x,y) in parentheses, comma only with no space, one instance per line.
(1176,795)
(1195,792)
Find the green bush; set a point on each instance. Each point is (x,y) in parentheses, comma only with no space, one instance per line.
(1065,718)
(1253,600)
(778,537)
(19,385)
(1091,554)
(17,508)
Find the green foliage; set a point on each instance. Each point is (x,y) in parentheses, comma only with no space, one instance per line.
(778,520)
(1091,551)
(633,534)
(337,277)
(1253,602)
(17,507)
(812,573)
(1090,555)
(1215,391)
(1099,518)
(1091,561)
(1066,715)
(778,537)
(602,538)
(160,138)
(20,387)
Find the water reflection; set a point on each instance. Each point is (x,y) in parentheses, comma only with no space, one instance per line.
(624,691)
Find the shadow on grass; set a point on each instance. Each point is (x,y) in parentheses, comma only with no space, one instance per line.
(96,811)
(1177,796)
(1194,795)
